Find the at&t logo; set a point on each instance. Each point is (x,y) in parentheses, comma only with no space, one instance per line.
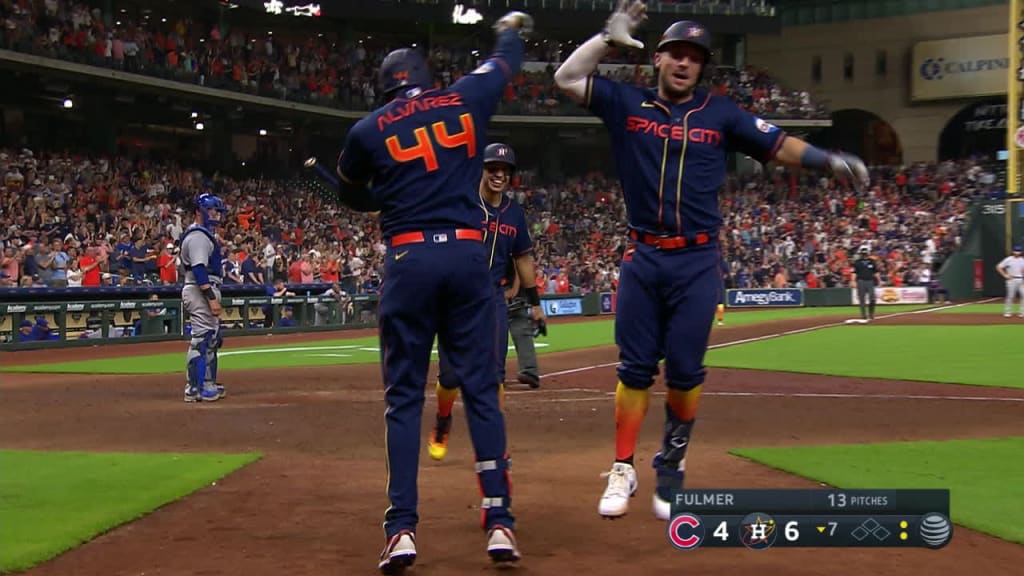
(931,69)
(685,531)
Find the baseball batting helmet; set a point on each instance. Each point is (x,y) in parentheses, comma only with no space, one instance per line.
(499,152)
(690,32)
(404,68)
(1016,248)
(204,203)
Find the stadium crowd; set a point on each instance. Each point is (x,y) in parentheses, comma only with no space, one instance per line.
(77,221)
(319,69)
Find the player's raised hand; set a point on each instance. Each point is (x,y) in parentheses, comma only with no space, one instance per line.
(624,22)
(848,166)
(519,21)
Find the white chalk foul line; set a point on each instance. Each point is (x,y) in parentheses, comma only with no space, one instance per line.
(607,395)
(775,335)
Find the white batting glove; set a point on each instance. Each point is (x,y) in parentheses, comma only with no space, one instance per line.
(519,21)
(623,23)
(850,167)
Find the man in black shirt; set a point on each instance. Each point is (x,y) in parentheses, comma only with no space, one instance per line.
(866,272)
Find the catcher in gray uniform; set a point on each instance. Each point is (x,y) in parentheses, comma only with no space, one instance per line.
(201,257)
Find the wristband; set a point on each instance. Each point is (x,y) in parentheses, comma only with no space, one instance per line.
(814,157)
(208,292)
(531,296)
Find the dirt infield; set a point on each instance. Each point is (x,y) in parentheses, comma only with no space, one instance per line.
(314,504)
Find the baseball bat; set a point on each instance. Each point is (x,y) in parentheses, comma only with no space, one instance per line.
(323,175)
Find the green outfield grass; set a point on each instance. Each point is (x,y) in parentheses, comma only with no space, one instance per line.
(51,502)
(561,337)
(979,355)
(980,474)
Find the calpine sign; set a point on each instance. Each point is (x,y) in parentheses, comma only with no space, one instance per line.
(753,297)
(959,68)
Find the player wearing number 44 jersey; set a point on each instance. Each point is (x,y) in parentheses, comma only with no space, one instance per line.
(423,153)
(671,147)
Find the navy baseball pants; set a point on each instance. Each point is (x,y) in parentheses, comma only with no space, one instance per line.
(445,375)
(666,305)
(440,287)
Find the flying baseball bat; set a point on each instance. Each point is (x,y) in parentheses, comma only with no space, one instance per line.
(323,175)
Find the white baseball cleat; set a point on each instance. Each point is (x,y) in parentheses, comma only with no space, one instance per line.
(662,509)
(621,487)
(501,545)
(399,553)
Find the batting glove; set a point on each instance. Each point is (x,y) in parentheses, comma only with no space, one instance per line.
(623,23)
(519,21)
(850,167)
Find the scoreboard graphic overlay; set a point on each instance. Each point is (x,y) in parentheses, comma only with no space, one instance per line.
(760,519)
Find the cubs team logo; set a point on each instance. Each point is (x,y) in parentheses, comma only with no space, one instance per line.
(685,531)
(764,126)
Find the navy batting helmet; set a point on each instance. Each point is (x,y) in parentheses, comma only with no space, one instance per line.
(499,152)
(404,68)
(690,32)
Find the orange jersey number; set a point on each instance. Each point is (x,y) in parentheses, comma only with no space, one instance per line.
(424,146)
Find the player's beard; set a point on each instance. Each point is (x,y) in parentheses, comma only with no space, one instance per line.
(673,93)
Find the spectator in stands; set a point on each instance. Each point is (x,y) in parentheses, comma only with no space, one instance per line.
(90,267)
(74,274)
(167,263)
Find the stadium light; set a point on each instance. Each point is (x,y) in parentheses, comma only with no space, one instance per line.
(200,126)
(195,114)
(68,103)
(263,132)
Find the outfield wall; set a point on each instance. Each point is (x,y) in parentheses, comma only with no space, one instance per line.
(143,315)
(136,316)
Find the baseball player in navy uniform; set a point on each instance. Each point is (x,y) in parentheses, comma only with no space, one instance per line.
(720,310)
(670,146)
(204,272)
(508,241)
(418,161)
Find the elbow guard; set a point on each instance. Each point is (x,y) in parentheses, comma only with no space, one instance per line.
(202,276)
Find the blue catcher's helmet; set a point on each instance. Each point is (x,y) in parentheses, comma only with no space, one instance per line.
(404,68)
(204,203)
(499,152)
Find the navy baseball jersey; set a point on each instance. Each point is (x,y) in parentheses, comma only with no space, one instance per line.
(507,236)
(679,150)
(409,137)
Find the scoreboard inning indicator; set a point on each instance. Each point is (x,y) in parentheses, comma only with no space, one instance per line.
(760,519)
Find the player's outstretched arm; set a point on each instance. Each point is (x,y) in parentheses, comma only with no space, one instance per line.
(571,76)
(798,153)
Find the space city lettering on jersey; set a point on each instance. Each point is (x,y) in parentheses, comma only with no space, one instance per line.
(765,297)
(655,128)
(416,106)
